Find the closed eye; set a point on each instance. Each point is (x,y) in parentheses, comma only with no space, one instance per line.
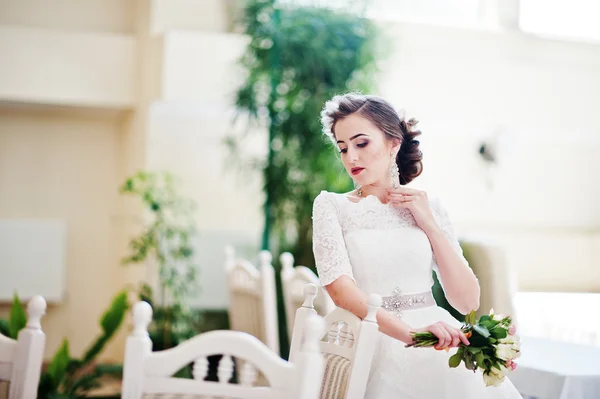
(343,150)
(362,145)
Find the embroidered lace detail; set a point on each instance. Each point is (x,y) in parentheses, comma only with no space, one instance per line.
(329,247)
(369,213)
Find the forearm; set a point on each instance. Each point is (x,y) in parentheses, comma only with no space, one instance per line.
(346,295)
(460,284)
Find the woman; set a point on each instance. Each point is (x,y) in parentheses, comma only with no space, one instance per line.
(385,238)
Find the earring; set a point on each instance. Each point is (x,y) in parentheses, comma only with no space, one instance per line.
(394,174)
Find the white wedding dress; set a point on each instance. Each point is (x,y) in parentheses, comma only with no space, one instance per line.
(384,251)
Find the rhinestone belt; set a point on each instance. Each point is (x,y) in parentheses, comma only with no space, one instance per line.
(398,302)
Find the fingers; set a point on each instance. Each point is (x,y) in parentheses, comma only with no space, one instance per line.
(448,336)
(463,338)
(444,338)
(407,191)
(455,337)
(399,199)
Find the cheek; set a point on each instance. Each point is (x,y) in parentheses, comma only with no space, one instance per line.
(373,155)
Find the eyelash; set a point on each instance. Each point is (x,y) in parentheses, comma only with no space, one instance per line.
(361,145)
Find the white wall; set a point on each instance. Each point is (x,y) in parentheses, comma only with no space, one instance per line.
(465,85)
(204,15)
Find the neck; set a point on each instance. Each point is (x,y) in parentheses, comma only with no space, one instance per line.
(377,189)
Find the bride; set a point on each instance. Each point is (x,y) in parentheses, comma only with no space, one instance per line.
(386,238)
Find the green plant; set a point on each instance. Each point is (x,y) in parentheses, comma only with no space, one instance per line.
(165,243)
(296,59)
(17,319)
(67,377)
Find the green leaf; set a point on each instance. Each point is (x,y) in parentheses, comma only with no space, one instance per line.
(113,317)
(110,322)
(489,324)
(4,330)
(471,318)
(473,349)
(499,333)
(480,359)
(114,370)
(455,360)
(17,320)
(85,384)
(469,361)
(58,366)
(481,331)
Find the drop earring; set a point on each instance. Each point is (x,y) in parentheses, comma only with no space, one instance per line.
(394,173)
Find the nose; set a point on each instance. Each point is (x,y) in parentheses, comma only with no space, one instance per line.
(352,155)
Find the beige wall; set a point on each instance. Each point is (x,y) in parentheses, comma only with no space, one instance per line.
(67,68)
(110,16)
(57,164)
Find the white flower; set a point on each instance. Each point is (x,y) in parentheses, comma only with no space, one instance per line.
(507,351)
(492,379)
(496,317)
(512,340)
(495,377)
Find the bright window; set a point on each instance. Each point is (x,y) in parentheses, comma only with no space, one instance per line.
(571,19)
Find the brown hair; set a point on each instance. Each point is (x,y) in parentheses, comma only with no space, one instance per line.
(384,116)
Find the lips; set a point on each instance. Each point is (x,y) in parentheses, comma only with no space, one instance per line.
(356,170)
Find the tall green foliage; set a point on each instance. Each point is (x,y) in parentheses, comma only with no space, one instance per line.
(166,243)
(296,59)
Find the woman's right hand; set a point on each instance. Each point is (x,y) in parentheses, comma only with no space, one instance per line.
(448,336)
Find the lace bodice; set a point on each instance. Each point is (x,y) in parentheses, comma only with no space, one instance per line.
(379,246)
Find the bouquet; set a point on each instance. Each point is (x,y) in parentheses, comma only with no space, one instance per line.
(493,348)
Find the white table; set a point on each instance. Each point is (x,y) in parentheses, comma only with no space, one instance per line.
(557,370)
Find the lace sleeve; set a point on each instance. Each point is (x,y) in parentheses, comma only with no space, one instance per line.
(443,220)
(329,247)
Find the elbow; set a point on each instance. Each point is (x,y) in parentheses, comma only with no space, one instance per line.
(338,295)
(469,306)
(466,301)
(466,307)
(470,302)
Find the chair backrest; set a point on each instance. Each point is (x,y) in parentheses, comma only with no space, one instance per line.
(21,360)
(293,280)
(348,346)
(147,372)
(498,283)
(253,301)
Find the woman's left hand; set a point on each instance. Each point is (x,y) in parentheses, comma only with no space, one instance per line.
(417,202)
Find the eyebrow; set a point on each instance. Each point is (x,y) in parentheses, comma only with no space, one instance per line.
(353,137)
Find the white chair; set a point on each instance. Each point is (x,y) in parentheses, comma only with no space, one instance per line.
(497,282)
(21,360)
(348,348)
(293,280)
(253,301)
(147,372)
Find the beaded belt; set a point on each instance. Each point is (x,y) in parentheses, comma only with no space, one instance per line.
(399,302)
